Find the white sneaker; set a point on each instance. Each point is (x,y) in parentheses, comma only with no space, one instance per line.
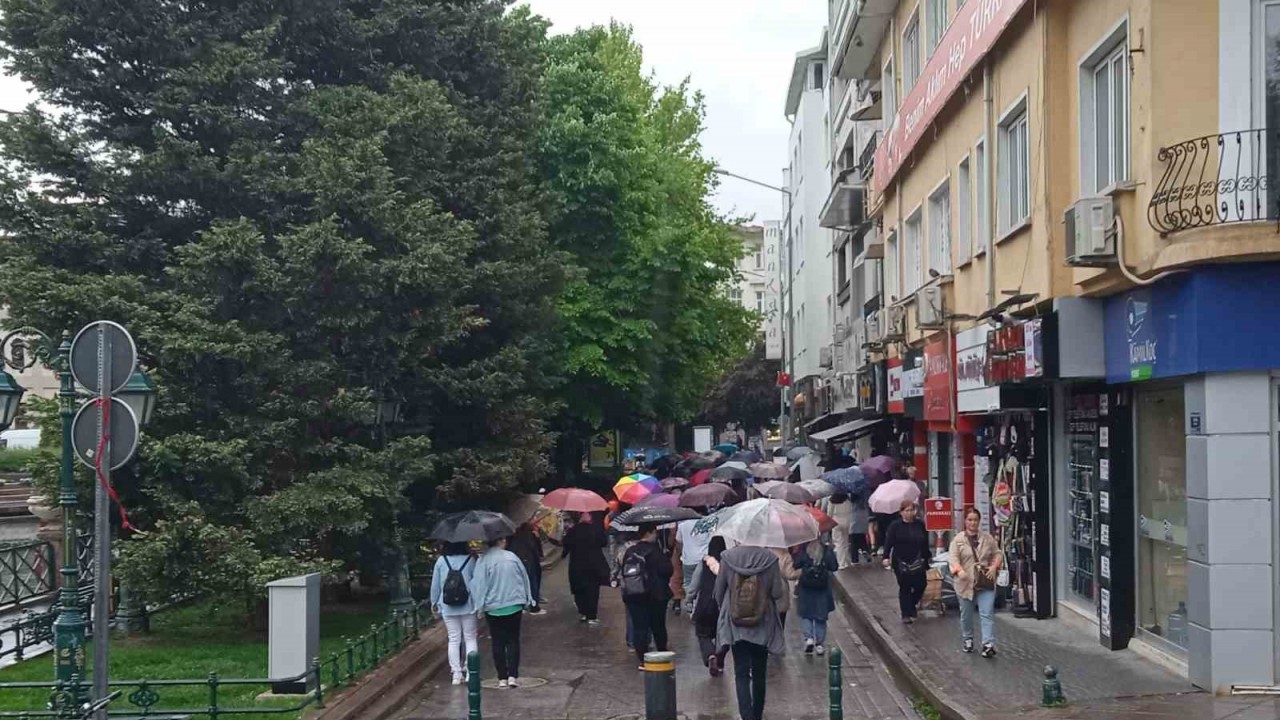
(502,684)
(820,649)
(457,678)
(511,683)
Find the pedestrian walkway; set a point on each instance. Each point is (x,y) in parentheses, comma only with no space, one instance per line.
(590,674)
(1096,681)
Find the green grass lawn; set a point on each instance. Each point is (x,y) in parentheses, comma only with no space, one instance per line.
(189,643)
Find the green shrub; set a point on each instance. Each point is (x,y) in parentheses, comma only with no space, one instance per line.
(19,460)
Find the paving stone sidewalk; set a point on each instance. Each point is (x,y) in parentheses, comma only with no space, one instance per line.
(1096,681)
(577,672)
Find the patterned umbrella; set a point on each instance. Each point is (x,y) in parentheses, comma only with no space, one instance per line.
(526,508)
(769,471)
(575,500)
(849,481)
(655,515)
(631,489)
(767,523)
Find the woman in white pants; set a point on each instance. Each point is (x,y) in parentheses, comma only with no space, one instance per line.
(840,508)
(459,619)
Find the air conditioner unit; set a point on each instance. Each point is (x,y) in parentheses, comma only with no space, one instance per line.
(929,307)
(895,322)
(1090,242)
(824,356)
(875,329)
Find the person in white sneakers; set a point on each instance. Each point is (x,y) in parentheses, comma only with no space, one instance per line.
(502,595)
(452,600)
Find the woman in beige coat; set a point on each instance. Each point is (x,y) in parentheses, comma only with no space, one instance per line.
(975,563)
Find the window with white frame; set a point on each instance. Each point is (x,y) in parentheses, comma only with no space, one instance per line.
(892,262)
(1104,113)
(759,302)
(1013,174)
(981,191)
(911,54)
(936,19)
(735,294)
(964,212)
(889,90)
(940,230)
(911,252)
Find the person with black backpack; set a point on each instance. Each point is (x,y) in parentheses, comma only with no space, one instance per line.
(451,599)
(646,576)
(816,600)
(749,590)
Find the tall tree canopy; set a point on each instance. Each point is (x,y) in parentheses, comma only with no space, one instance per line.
(644,319)
(747,393)
(297,208)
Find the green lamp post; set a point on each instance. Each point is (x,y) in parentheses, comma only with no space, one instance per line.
(10,398)
(140,395)
(387,410)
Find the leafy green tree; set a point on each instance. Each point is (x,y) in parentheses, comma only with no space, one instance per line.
(298,208)
(645,323)
(746,394)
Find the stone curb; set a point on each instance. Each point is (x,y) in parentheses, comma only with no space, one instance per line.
(383,692)
(897,658)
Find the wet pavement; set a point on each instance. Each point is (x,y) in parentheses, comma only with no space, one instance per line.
(1096,681)
(590,674)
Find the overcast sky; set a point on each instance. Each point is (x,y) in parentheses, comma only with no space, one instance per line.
(739,53)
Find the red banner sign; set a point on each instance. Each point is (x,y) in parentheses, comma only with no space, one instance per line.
(937,514)
(937,380)
(974,30)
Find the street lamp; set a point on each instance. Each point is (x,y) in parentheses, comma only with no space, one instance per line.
(140,395)
(10,398)
(387,409)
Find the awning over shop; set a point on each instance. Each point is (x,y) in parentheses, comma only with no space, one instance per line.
(822,423)
(847,430)
(845,207)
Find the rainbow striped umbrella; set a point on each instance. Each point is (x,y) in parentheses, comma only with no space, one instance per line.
(634,488)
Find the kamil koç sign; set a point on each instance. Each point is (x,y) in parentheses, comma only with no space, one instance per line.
(1219,318)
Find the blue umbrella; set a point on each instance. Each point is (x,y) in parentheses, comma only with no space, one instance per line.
(849,481)
(726,448)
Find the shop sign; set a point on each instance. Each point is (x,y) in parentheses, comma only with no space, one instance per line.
(1033,348)
(937,515)
(894,376)
(871,394)
(971,364)
(603,449)
(913,381)
(970,36)
(772,294)
(937,380)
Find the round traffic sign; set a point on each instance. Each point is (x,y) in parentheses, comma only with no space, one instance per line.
(103,353)
(86,434)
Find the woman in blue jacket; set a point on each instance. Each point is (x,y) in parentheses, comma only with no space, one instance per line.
(502,593)
(459,620)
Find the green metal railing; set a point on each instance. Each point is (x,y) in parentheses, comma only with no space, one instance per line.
(145,698)
(28,570)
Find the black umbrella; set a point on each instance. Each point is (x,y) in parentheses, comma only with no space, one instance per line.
(473,525)
(746,456)
(702,462)
(708,495)
(727,473)
(649,515)
(662,467)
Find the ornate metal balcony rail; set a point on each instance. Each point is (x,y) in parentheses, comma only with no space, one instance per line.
(1216,180)
(28,571)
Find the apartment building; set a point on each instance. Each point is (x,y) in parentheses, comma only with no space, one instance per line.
(806,255)
(751,288)
(1071,212)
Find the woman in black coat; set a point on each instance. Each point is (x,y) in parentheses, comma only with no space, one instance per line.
(706,612)
(584,546)
(907,551)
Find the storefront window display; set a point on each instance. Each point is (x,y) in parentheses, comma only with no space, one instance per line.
(1083,438)
(1162,513)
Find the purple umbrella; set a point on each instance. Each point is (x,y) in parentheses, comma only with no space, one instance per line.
(661,500)
(877,470)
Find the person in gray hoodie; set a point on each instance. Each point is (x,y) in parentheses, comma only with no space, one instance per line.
(750,624)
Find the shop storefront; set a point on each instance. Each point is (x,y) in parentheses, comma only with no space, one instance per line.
(906,408)
(1193,361)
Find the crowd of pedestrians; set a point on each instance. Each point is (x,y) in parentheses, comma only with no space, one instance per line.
(735,597)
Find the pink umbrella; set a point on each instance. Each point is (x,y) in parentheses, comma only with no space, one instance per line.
(888,498)
(662,500)
(575,500)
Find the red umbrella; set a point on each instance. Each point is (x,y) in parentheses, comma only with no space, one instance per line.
(825,523)
(575,500)
(699,477)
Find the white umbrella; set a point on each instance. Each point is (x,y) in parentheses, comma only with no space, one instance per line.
(767,523)
(888,498)
(818,488)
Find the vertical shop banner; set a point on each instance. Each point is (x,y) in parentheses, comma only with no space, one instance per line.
(981,491)
(772,292)
(937,380)
(970,36)
(897,403)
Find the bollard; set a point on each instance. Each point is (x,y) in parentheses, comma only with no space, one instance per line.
(835,689)
(473,685)
(1052,688)
(660,686)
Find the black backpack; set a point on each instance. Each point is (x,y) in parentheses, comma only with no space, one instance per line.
(814,577)
(455,585)
(635,576)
